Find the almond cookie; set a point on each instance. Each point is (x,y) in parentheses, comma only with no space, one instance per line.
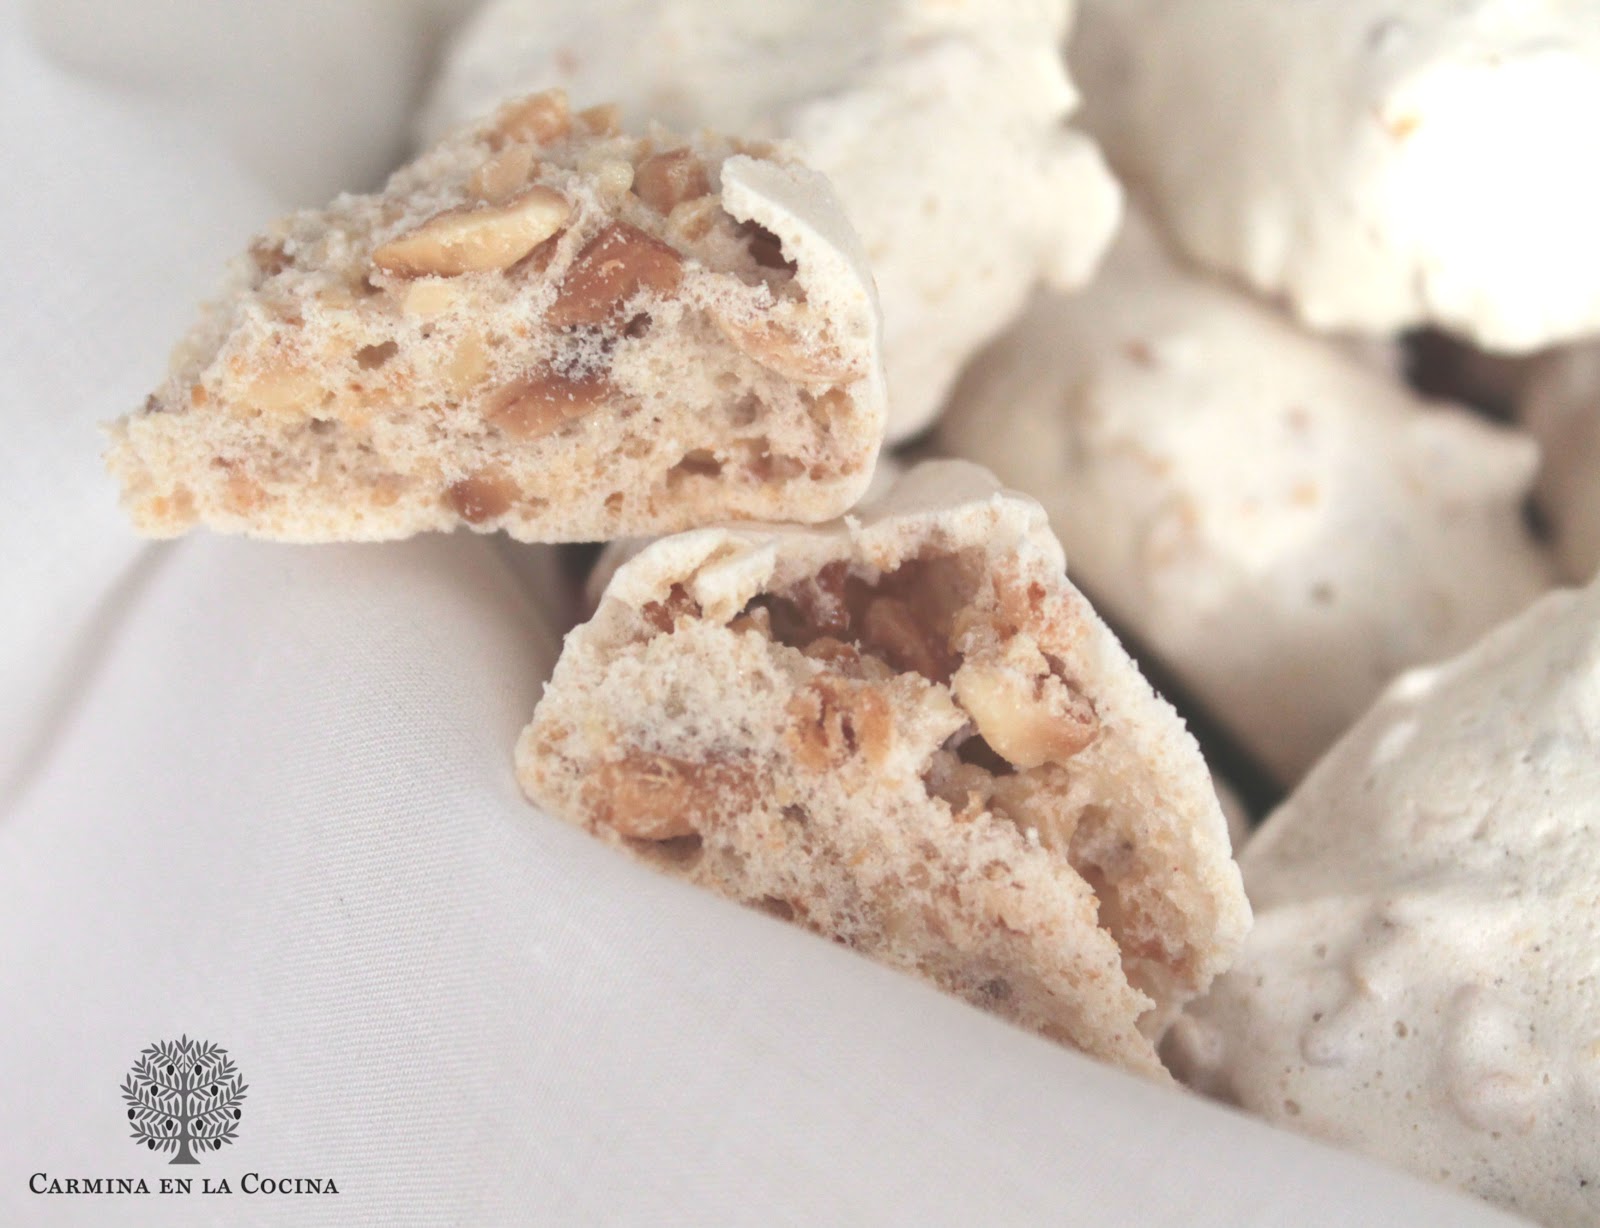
(543,326)
(1380,164)
(1420,983)
(909,733)
(940,122)
(1283,524)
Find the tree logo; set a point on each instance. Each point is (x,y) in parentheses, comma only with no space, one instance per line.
(183,1096)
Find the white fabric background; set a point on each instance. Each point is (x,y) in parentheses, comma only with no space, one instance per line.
(262,795)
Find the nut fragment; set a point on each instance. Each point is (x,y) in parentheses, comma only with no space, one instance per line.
(647,797)
(1028,721)
(483,495)
(286,390)
(429,297)
(604,120)
(1019,602)
(243,494)
(656,797)
(467,365)
(476,240)
(834,721)
(779,347)
(664,615)
(546,400)
(693,220)
(612,177)
(498,179)
(614,266)
(665,180)
(540,118)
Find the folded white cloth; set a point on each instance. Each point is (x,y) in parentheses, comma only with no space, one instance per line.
(283,820)
(262,796)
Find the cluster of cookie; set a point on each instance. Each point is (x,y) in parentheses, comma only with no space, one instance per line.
(886,714)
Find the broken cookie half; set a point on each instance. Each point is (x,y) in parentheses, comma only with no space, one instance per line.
(543,326)
(910,733)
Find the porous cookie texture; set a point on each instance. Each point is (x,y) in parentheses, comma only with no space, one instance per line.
(1403,162)
(940,122)
(1559,402)
(542,325)
(909,733)
(1421,980)
(1283,524)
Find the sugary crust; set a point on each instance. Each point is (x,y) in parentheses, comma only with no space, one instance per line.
(1421,981)
(1284,525)
(1404,162)
(541,326)
(940,122)
(815,722)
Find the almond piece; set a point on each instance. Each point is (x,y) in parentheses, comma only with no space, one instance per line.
(290,391)
(476,240)
(612,177)
(428,298)
(647,797)
(664,615)
(498,179)
(603,120)
(467,366)
(656,797)
(834,721)
(692,220)
(614,266)
(665,180)
(243,494)
(482,495)
(537,404)
(1028,721)
(539,118)
(778,347)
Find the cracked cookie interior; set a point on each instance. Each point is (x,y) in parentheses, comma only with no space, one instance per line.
(918,740)
(542,325)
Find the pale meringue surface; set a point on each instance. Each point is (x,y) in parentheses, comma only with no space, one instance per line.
(1282,522)
(1381,164)
(1423,979)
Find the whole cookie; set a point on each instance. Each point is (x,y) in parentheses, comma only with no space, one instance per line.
(1379,164)
(1421,983)
(1285,525)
